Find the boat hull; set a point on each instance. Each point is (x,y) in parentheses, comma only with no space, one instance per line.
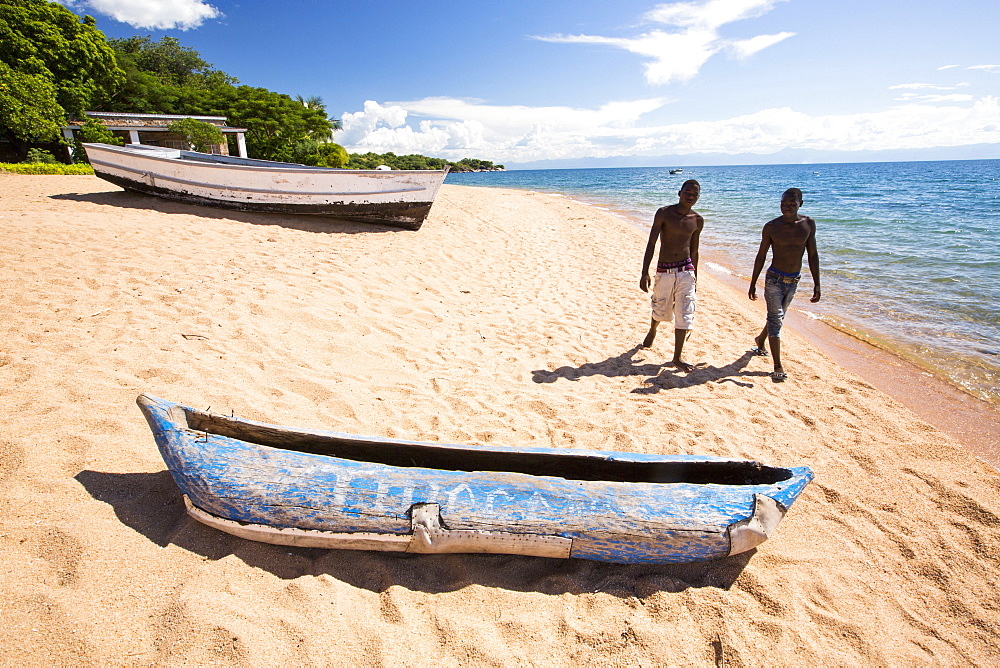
(397,198)
(289,497)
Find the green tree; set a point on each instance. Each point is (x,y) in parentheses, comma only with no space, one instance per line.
(92,132)
(55,64)
(165,77)
(28,107)
(199,134)
(38,156)
(316,103)
(173,63)
(319,153)
(416,161)
(275,122)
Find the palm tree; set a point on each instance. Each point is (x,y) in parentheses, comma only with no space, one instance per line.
(316,103)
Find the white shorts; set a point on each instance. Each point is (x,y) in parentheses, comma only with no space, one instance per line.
(674,297)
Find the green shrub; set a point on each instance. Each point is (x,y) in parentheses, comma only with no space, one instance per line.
(43,168)
(319,154)
(199,134)
(93,132)
(37,155)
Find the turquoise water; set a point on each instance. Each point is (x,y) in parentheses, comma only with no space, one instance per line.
(909,251)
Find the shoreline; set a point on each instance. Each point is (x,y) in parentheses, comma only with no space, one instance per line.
(971,420)
(953,371)
(927,392)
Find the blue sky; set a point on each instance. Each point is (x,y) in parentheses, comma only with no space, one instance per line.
(588,81)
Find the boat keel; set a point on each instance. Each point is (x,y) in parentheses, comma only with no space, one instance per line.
(428,536)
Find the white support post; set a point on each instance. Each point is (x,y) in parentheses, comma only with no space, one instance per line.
(68,134)
(133,136)
(241,143)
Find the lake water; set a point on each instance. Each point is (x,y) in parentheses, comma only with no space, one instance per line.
(909,251)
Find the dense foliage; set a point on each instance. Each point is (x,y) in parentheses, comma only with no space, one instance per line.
(165,77)
(416,161)
(52,64)
(45,168)
(321,154)
(474,165)
(28,106)
(55,65)
(199,134)
(92,131)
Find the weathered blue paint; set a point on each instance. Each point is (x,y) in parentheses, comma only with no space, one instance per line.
(627,522)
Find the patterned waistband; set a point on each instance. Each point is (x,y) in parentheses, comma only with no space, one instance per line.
(674,267)
(784,276)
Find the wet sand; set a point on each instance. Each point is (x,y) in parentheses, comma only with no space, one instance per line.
(973,422)
(510,318)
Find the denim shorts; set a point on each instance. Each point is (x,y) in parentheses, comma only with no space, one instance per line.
(778,293)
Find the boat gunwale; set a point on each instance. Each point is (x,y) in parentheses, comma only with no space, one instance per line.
(266,191)
(565,463)
(289,166)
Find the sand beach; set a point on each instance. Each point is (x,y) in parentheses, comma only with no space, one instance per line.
(511,317)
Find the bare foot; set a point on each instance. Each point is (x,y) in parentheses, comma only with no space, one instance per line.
(683,366)
(651,334)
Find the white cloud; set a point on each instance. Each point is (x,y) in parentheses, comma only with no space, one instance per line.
(712,14)
(909,97)
(905,126)
(916,86)
(946,67)
(454,129)
(151,14)
(748,47)
(358,126)
(992,69)
(679,55)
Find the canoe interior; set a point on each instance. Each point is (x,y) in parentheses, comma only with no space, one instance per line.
(564,464)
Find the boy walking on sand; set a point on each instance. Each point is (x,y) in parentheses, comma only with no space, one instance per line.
(788,236)
(678,229)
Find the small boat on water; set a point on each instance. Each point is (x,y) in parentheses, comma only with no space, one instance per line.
(676,171)
(401,198)
(307,488)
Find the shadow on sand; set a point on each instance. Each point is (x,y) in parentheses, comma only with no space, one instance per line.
(151,504)
(656,377)
(127,200)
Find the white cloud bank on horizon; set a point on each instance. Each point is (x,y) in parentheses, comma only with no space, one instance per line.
(916,86)
(151,14)
(679,55)
(455,129)
(955,97)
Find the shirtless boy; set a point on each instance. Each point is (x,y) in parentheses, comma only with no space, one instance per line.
(788,236)
(678,228)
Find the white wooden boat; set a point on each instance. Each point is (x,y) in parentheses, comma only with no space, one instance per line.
(401,198)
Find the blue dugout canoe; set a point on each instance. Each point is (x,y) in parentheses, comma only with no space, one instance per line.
(308,488)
